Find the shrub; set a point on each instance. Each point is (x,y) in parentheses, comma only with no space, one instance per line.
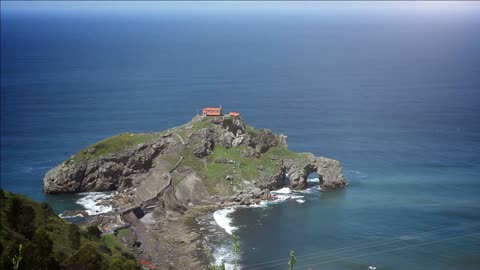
(94,231)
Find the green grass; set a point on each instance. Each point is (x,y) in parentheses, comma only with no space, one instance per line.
(251,131)
(113,144)
(114,244)
(245,168)
(122,141)
(124,233)
(193,126)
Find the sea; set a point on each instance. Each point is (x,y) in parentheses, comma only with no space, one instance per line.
(393,95)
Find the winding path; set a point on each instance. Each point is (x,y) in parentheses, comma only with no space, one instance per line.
(180,137)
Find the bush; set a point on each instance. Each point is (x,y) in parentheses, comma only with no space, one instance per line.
(94,231)
(86,258)
(74,236)
(130,265)
(26,221)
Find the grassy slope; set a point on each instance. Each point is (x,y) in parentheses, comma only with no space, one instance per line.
(122,141)
(113,144)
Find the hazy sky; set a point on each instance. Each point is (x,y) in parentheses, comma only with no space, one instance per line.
(430,7)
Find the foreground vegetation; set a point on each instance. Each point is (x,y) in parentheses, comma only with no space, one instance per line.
(236,251)
(33,237)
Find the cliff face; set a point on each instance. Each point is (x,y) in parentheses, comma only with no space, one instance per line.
(208,156)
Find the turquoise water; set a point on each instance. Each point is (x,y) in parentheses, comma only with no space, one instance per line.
(394,98)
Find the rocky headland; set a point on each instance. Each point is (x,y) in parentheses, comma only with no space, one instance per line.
(162,181)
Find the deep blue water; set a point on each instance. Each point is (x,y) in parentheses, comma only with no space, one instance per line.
(394,98)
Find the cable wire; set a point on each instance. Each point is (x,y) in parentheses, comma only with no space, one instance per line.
(355,247)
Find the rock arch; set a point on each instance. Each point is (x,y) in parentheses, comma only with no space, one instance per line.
(329,172)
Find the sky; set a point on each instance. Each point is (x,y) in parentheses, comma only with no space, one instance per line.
(241,7)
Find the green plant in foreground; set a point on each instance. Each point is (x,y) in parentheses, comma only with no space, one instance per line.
(236,250)
(17,258)
(293,260)
(211,260)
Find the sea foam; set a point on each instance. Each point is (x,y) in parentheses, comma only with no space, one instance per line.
(284,190)
(92,202)
(281,195)
(224,254)
(313,180)
(223,220)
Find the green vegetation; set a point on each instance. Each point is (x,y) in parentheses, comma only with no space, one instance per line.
(292,260)
(124,233)
(246,168)
(236,250)
(113,144)
(33,237)
(195,125)
(17,258)
(211,260)
(251,130)
(121,141)
(114,244)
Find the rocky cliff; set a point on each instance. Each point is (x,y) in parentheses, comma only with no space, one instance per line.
(208,157)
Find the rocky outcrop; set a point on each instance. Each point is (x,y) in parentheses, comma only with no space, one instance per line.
(110,172)
(329,172)
(175,169)
(274,180)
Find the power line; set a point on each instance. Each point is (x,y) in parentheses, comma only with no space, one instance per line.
(360,246)
(338,250)
(392,249)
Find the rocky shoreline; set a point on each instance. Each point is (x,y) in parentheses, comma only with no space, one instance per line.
(163,181)
(180,238)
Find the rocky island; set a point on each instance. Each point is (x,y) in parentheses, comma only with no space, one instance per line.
(162,181)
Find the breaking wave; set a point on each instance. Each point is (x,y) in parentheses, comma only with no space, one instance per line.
(357,173)
(224,254)
(313,180)
(94,202)
(223,220)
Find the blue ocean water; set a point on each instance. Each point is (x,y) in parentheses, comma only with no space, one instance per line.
(394,98)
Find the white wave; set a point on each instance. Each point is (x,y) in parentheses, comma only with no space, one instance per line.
(225,255)
(288,197)
(313,189)
(285,190)
(359,173)
(313,180)
(92,202)
(262,204)
(285,194)
(222,219)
